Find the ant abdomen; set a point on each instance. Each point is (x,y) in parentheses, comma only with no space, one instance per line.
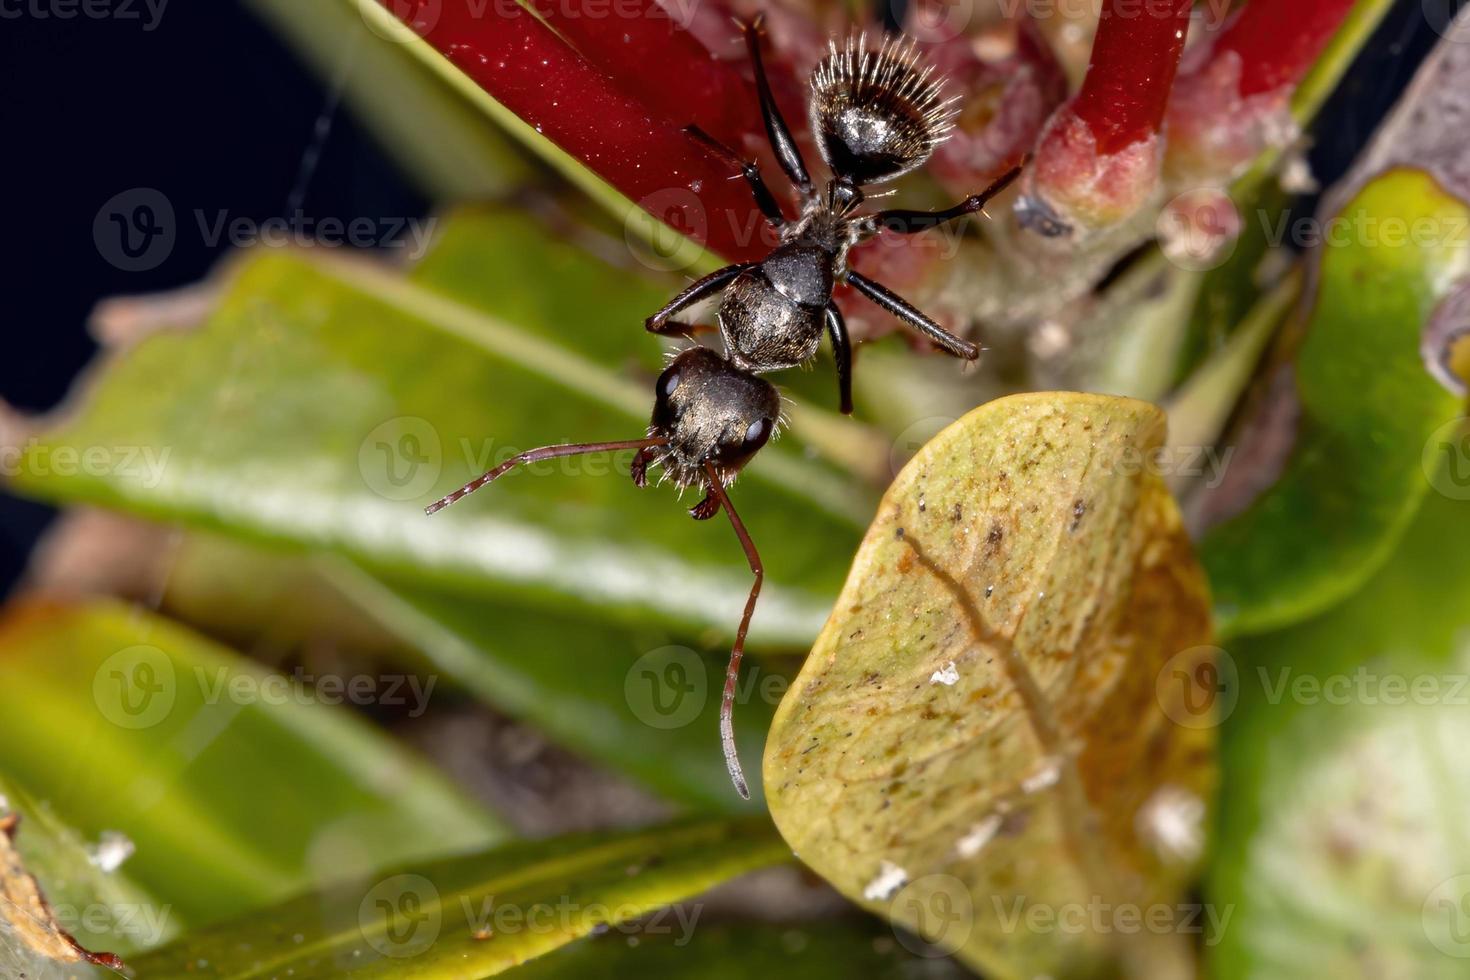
(773,314)
(877,114)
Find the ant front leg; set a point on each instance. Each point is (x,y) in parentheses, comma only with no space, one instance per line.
(842,354)
(776,129)
(695,292)
(912,317)
(732,671)
(907,222)
(706,508)
(764,199)
(639,469)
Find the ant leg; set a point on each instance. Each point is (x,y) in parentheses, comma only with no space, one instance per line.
(776,131)
(639,470)
(842,354)
(764,199)
(912,317)
(732,672)
(911,222)
(535,456)
(693,293)
(706,508)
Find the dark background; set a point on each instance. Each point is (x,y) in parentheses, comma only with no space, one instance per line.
(214,111)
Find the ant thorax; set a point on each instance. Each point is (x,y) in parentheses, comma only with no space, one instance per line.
(827,221)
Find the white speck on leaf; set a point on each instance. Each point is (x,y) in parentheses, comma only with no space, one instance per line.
(1044,777)
(1172,820)
(949,676)
(111,851)
(979,835)
(889,879)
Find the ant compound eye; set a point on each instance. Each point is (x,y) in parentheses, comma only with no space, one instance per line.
(756,435)
(668,384)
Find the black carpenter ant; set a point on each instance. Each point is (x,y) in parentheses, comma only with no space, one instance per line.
(878,116)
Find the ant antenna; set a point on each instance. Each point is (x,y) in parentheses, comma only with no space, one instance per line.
(732,672)
(535,456)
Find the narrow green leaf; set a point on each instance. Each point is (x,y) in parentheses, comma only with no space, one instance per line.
(474,916)
(1368,407)
(638,701)
(234,787)
(805,951)
(979,741)
(1343,842)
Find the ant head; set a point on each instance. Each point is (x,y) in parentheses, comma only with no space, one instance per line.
(711,411)
(877,114)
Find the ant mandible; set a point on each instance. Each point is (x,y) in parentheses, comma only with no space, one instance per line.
(878,116)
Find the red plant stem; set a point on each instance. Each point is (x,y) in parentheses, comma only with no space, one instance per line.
(531,71)
(655,59)
(1233,99)
(1134,58)
(1278,40)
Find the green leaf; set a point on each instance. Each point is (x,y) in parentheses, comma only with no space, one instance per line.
(1368,407)
(982,730)
(808,951)
(1343,845)
(474,916)
(235,789)
(638,701)
(326,402)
